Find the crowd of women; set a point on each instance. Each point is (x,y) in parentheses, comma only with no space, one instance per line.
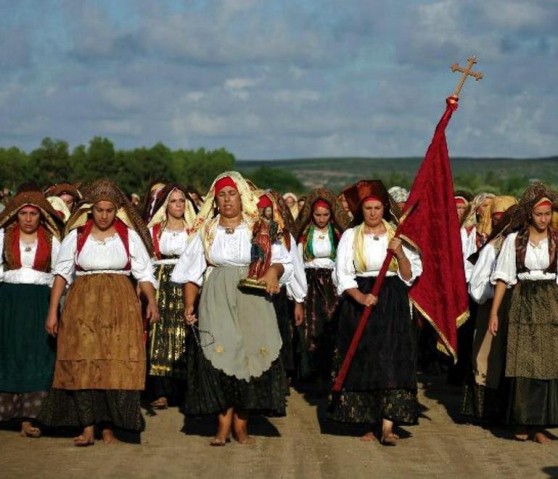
(215,304)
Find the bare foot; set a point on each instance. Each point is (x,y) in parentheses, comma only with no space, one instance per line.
(246,440)
(86,438)
(521,435)
(108,437)
(541,438)
(368,437)
(28,430)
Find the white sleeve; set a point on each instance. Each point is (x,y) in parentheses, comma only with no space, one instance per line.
(506,269)
(480,287)
(65,260)
(191,264)
(297,288)
(416,265)
(344,272)
(142,267)
(280,255)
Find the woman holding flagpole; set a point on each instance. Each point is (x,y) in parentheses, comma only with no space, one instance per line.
(381,386)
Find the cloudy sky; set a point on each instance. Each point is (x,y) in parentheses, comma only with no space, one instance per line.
(280,78)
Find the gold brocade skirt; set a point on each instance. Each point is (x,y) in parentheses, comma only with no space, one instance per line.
(100,336)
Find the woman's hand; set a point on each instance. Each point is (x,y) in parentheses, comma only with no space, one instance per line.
(152,312)
(271,281)
(299,313)
(189,316)
(493,324)
(51,325)
(396,245)
(367,299)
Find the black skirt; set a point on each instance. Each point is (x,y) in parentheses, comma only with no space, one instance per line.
(382,380)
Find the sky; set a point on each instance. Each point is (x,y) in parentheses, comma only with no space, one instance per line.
(269,79)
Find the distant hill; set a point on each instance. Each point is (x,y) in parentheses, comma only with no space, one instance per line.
(336,173)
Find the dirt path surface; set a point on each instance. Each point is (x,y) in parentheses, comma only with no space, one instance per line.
(303,444)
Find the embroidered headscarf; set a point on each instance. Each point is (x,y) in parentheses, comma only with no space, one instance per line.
(399,194)
(304,225)
(60,207)
(50,225)
(208,216)
(107,190)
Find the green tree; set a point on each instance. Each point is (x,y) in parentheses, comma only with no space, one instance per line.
(50,163)
(275,178)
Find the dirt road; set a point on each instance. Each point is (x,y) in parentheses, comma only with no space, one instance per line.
(301,445)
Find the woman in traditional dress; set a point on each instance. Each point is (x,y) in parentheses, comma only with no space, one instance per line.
(100,361)
(381,385)
(528,263)
(30,233)
(67,192)
(238,370)
(292,202)
(482,394)
(174,214)
(319,227)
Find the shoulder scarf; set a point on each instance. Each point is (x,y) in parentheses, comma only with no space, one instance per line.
(521,242)
(12,251)
(358,247)
(307,240)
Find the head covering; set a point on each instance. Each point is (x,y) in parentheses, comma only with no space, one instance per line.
(294,208)
(501,203)
(160,208)
(248,199)
(223,183)
(399,194)
(521,217)
(339,217)
(150,198)
(60,189)
(107,190)
(60,207)
(357,193)
(49,218)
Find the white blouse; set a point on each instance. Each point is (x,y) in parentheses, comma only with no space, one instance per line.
(107,256)
(26,274)
(321,247)
(171,243)
(375,252)
(297,288)
(469,246)
(227,250)
(480,287)
(536,260)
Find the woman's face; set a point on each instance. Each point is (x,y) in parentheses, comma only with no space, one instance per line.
(372,212)
(104,213)
(28,219)
(68,199)
(321,216)
(290,201)
(541,217)
(484,206)
(228,202)
(461,208)
(176,204)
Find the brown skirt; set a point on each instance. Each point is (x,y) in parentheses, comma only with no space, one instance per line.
(100,336)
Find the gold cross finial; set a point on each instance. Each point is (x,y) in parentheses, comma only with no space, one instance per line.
(466,72)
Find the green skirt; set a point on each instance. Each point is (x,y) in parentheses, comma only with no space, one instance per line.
(27,352)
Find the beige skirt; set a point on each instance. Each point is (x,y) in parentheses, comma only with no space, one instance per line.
(100,336)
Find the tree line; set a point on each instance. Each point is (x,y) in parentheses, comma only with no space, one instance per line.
(133,170)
